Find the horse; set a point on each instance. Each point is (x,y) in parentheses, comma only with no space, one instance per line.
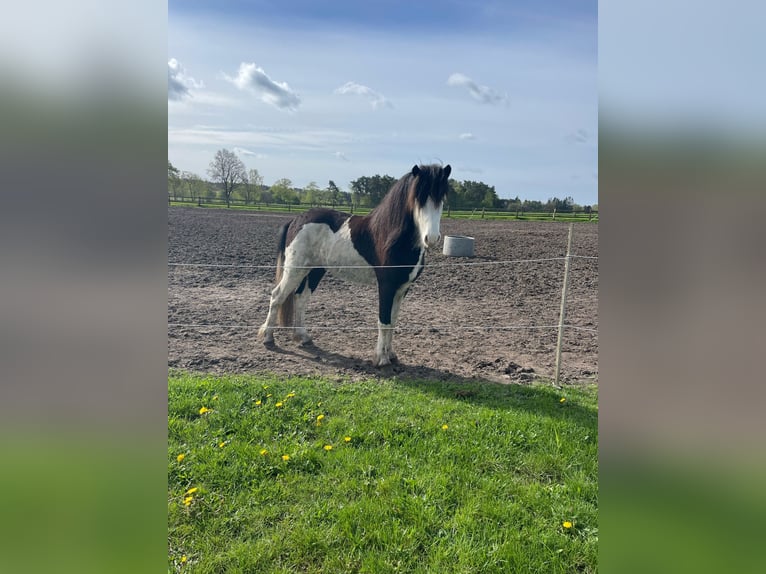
(386,247)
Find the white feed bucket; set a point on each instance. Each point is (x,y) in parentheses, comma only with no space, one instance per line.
(458,246)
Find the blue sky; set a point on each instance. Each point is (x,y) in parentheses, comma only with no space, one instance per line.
(504,92)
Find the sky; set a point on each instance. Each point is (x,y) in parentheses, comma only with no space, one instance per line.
(309,90)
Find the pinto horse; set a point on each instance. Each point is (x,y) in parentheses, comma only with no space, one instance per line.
(387,246)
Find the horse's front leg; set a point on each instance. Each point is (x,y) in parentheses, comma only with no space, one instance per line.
(389,299)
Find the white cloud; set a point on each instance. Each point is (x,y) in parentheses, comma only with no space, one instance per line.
(580,136)
(179,84)
(483,94)
(254,79)
(467,136)
(377,100)
(247,152)
(341,155)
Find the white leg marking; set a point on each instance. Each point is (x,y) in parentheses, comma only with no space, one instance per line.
(301,301)
(383,349)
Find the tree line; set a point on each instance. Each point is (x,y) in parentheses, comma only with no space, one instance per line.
(229,180)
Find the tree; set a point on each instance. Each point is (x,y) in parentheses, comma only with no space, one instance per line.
(333,193)
(312,194)
(192,184)
(370,191)
(252,189)
(229,170)
(174,180)
(282,191)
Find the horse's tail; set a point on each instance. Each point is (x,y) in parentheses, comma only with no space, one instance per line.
(286,311)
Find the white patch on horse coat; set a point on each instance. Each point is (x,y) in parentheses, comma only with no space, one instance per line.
(427,218)
(319,246)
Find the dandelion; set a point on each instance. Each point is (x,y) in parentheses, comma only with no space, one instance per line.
(183,558)
(567,524)
(181,457)
(192,490)
(347,438)
(264,452)
(188,500)
(320,417)
(562,400)
(290,395)
(258,403)
(268,395)
(222,444)
(285,457)
(279,404)
(328,447)
(204,410)
(445,427)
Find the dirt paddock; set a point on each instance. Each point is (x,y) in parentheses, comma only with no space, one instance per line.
(493,319)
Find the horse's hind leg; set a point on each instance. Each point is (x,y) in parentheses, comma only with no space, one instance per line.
(290,281)
(302,296)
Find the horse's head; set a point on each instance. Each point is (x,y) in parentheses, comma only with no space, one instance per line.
(428,189)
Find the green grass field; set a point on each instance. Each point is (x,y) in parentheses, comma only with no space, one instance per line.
(312,475)
(455,214)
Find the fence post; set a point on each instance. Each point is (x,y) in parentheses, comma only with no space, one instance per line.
(562,312)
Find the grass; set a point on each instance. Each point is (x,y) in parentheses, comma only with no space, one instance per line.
(436,477)
(454,214)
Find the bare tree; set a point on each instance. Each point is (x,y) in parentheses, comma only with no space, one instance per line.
(229,170)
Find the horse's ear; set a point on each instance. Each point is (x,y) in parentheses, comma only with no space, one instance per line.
(415,169)
(447,171)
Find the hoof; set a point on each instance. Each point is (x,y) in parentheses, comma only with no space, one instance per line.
(269,343)
(303,340)
(381,362)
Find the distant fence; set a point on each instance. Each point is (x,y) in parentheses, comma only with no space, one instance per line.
(478,213)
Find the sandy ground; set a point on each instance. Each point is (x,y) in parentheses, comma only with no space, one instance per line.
(487,320)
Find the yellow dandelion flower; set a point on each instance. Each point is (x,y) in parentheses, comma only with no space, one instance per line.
(204,410)
(278,405)
(562,399)
(183,559)
(290,395)
(221,444)
(180,457)
(445,427)
(192,490)
(258,403)
(347,438)
(328,447)
(264,452)
(567,524)
(188,500)
(285,457)
(268,395)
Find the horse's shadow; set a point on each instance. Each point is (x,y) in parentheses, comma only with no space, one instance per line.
(538,398)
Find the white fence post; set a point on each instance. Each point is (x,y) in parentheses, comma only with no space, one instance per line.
(562,312)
